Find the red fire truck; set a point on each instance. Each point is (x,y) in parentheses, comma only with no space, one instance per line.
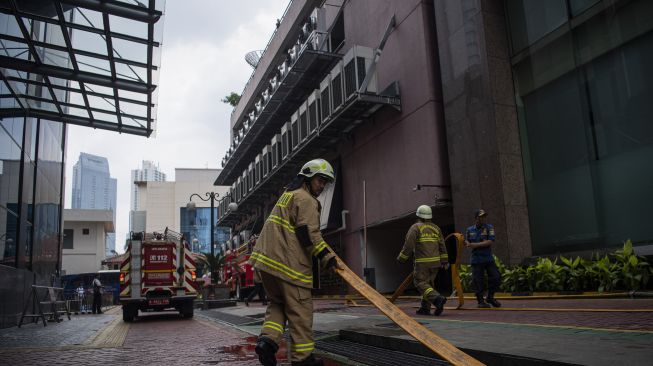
(237,271)
(158,273)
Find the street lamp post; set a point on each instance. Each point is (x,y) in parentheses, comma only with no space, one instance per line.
(212,196)
(191,207)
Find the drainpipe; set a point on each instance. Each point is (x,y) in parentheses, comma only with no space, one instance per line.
(341,228)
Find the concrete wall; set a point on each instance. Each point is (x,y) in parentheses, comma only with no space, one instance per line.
(162,201)
(394,151)
(88,249)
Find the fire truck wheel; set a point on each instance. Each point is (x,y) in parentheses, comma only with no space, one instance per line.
(128,314)
(187,310)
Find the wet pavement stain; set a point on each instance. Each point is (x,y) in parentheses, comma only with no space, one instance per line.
(245,352)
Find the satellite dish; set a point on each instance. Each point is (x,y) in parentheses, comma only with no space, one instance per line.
(253,57)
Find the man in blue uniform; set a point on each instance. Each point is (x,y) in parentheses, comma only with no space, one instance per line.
(480,238)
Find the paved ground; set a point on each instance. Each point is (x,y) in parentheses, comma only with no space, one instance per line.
(162,339)
(592,334)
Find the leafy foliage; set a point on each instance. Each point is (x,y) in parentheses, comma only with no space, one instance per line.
(232,99)
(621,270)
(210,263)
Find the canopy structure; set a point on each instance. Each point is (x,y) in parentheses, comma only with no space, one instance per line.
(91,63)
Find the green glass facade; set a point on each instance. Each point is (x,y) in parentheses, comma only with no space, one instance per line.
(583,73)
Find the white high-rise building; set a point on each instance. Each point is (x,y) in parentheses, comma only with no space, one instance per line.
(148,173)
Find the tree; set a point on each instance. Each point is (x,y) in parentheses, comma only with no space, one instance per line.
(232,99)
(212,263)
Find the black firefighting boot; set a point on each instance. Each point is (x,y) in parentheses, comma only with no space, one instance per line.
(266,350)
(492,301)
(425,308)
(439,304)
(309,361)
(481,302)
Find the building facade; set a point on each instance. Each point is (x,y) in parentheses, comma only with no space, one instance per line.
(532,110)
(53,73)
(163,205)
(84,240)
(94,189)
(149,172)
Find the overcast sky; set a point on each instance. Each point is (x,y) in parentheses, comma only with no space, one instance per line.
(203,49)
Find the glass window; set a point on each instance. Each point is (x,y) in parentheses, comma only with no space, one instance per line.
(579,6)
(586,133)
(197,227)
(8,237)
(531,20)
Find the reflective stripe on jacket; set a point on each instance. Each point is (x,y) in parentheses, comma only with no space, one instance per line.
(279,250)
(424,240)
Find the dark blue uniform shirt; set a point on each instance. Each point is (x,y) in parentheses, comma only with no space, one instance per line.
(476,235)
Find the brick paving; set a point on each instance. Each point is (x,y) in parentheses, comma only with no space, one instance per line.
(165,338)
(156,338)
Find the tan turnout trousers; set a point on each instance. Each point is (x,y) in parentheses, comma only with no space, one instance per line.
(292,304)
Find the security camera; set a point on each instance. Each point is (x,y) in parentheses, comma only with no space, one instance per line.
(233,206)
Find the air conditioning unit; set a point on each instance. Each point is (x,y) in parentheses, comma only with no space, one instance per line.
(337,87)
(244,188)
(258,169)
(250,177)
(325,98)
(314,112)
(356,63)
(265,161)
(239,189)
(303,122)
(275,150)
(246,124)
(283,68)
(286,140)
(265,95)
(294,124)
(318,23)
(293,52)
(252,116)
(259,106)
(275,82)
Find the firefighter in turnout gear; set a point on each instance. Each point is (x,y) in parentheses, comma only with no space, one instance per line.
(424,240)
(283,255)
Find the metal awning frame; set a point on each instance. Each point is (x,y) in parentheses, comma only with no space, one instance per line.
(29,70)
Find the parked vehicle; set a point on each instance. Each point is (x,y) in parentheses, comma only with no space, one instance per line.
(157,274)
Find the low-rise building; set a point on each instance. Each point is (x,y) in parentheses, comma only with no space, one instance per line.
(85,233)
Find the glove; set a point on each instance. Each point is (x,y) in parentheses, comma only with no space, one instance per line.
(445,265)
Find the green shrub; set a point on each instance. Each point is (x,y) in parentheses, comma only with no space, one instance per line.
(621,270)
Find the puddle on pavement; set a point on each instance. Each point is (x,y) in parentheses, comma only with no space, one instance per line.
(245,352)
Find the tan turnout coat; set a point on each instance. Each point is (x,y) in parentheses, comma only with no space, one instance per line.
(278,250)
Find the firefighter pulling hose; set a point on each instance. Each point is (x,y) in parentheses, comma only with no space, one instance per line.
(283,254)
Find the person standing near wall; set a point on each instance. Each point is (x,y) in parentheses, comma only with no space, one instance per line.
(283,254)
(97,295)
(480,238)
(424,240)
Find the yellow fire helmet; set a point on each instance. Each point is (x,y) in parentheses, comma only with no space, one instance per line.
(319,167)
